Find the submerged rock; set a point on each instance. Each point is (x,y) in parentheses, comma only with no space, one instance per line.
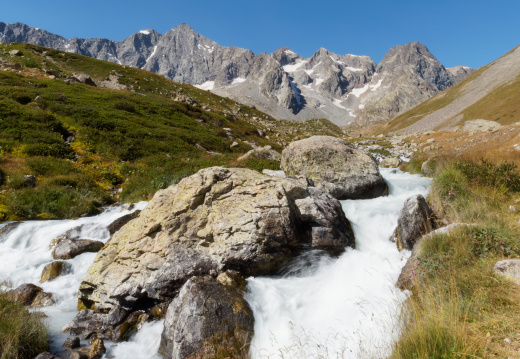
(54,270)
(207,320)
(415,220)
(215,220)
(334,166)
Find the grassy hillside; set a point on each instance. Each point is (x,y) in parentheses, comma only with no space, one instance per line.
(460,308)
(88,146)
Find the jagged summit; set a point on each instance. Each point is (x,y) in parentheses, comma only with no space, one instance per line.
(341,88)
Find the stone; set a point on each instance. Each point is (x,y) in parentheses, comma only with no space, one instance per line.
(83,79)
(216,220)
(72,343)
(510,268)
(233,279)
(43,299)
(24,294)
(207,320)
(430,140)
(234,144)
(265,153)
(97,349)
(390,162)
(46,355)
(408,274)
(121,221)
(78,354)
(415,220)
(280,173)
(480,126)
(335,166)
(28,181)
(70,248)
(54,270)
(15,53)
(428,167)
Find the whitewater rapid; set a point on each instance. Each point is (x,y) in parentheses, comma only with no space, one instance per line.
(318,307)
(346,307)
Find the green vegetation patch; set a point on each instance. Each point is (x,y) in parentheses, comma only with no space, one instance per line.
(23,335)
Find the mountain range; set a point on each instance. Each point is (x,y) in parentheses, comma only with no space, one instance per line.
(344,89)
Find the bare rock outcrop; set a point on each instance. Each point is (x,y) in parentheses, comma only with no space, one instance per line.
(207,320)
(415,220)
(215,220)
(334,166)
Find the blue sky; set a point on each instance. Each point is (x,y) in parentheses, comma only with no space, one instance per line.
(471,33)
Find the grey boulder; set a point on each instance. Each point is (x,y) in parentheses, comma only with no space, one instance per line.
(207,320)
(335,166)
(415,220)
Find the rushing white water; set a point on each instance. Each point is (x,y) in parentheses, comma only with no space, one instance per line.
(24,251)
(319,307)
(322,307)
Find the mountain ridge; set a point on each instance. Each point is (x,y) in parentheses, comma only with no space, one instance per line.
(341,88)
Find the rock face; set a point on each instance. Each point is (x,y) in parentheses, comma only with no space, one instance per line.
(408,75)
(282,84)
(334,166)
(215,220)
(510,268)
(415,220)
(70,248)
(207,320)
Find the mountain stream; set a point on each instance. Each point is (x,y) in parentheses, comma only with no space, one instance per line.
(318,307)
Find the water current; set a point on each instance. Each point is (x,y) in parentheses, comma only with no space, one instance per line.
(318,307)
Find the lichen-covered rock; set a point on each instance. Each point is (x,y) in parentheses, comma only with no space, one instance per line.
(390,162)
(46,355)
(215,220)
(266,153)
(70,248)
(510,268)
(97,349)
(415,220)
(334,166)
(207,320)
(54,270)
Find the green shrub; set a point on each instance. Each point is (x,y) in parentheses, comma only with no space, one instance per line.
(49,166)
(23,335)
(59,199)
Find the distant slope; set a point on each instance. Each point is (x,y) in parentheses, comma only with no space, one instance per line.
(124,136)
(491,93)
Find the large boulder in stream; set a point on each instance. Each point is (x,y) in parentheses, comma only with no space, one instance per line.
(207,320)
(415,220)
(334,166)
(215,220)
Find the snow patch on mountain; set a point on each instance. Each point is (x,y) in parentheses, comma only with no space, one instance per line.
(208,85)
